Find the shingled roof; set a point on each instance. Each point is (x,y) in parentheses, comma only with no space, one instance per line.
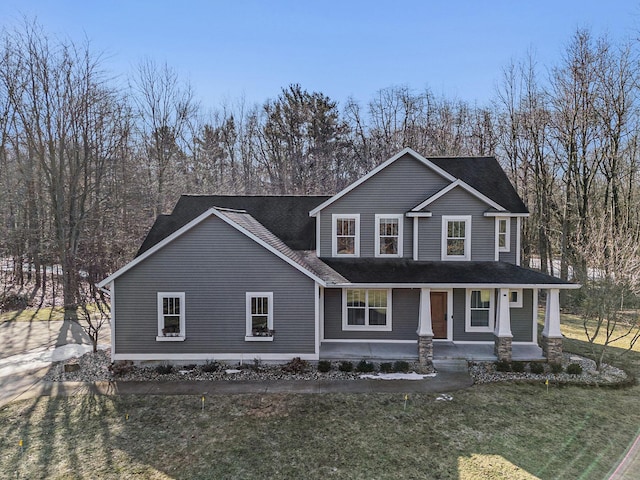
(485,175)
(404,270)
(286,216)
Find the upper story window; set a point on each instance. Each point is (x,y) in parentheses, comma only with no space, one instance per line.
(388,235)
(259,316)
(366,309)
(480,308)
(345,235)
(171,316)
(456,237)
(503,234)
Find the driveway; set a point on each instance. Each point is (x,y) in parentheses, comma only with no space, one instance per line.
(28,348)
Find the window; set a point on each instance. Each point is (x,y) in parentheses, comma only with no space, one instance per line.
(456,235)
(503,232)
(171,316)
(366,309)
(515,298)
(479,317)
(389,235)
(346,235)
(259,317)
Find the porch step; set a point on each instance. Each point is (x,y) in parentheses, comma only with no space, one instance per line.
(451,365)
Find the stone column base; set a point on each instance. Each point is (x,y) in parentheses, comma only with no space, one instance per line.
(552,349)
(502,348)
(425,350)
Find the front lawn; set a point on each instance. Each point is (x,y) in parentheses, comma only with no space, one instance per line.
(488,431)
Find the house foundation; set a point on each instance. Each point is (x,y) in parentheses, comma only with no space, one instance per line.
(503,348)
(425,350)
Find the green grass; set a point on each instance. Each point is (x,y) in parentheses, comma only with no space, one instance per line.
(487,431)
(44,314)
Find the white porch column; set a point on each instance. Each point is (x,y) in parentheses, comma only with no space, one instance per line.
(424,318)
(551,335)
(425,330)
(502,332)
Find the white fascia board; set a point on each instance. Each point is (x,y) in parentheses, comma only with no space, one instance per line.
(463,185)
(505,214)
(189,226)
(359,340)
(418,214)
(382,166)
(443,286)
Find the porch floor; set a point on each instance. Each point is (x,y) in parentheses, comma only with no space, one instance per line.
(409,351)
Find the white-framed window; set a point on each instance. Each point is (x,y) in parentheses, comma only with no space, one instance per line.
(389,235)
(171,315)
(364,309)
(259,317)
(345,235)
(515,298)
(456,237)
(503,234)
(480,310)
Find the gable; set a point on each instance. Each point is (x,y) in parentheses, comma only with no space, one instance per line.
(457,185)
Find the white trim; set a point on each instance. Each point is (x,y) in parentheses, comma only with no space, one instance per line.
(112,295)
(467,311)
(248,315)
(507,236)
(400,219)
(318,236)
(471,342)
(464,186)
(425,327)
(160,296)
(566,286)
(359,340)
(449,312)
(518,228)
(505,214)
(552,315)
(467,237)
(503,317)
(334,234)
(415,238)
(317,309)
(367,327)
(419,214)
(189,226)
(534,327)
(525,343)
(382,166)
(518,302)
(213,356)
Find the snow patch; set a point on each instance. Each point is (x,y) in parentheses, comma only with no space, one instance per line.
(231,371)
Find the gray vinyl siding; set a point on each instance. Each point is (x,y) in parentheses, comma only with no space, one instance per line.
(522,318)
(405,306)
(457,202)
(510,256)
(198,264)
(394,190)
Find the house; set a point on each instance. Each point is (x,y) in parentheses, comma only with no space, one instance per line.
(421,253)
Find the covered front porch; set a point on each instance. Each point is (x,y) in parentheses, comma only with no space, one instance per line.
(379,351)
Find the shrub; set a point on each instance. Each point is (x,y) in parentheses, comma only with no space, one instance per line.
(296,365)
(191,366)
(517,367)
(13,301)
(556,368)
(574,369)
(121,367)
(401,366)
(503,366)
(365,367)
(211,367)
(164,369)
(257,364)
(324,366)
(536,368)
(386,367)
(345,366)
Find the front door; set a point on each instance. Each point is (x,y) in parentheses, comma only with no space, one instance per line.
(439,314)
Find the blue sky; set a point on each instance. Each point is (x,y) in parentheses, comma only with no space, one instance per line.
(229,49)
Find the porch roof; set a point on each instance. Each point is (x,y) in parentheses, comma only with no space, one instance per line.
(408,271)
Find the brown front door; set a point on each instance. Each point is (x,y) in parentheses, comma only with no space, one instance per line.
(439,314)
